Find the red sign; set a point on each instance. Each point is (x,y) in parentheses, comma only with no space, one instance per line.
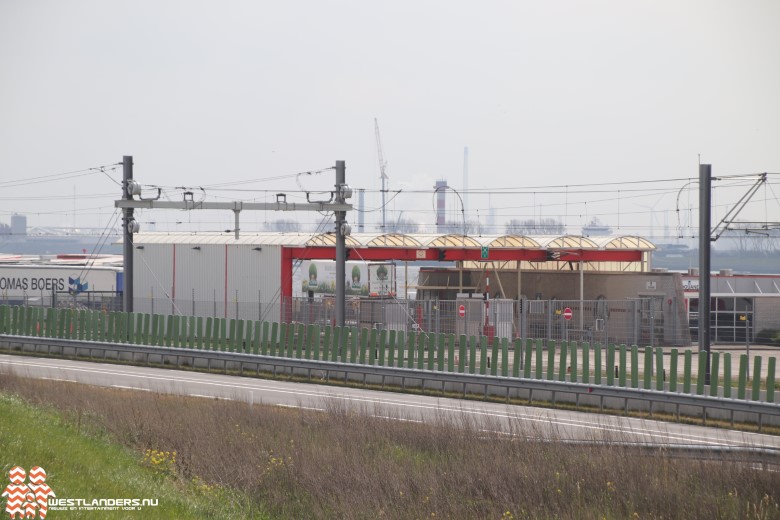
(567,314)
(462,311)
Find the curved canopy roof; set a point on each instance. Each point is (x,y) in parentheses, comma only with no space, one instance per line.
(406,241)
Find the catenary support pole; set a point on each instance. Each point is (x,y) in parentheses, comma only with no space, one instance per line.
(705,182)
(341,250)
(127,235)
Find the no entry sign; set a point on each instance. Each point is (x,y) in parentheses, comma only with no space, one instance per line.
(567,313)
(462,311)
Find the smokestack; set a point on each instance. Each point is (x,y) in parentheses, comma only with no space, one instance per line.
(441,189)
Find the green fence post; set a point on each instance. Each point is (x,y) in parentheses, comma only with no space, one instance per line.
(756,378)
(3,314)
(440,352)
(208,334)
(147,322)
(742,384)
(462,349)
(562,363)
(727,375)
(701,376)
(431,350)
(291,336)
(130,327)
(111,331)
(153,331)
(243,331)
(101,326)
(634,366)
(770,380)
(714,374)
(518,357)
(483,355)
(623,366)
(326,332)
(257,337)
(28,319)
(422,344)
(382,346)
(354,335)
(401,340)
(572,370)
(687,369)
(473,354)
(550,360)
(586,363)
(673,370)
(270,332)
(597,349)
(529,350)
(660,376)
(299,340)
(174,332)
(611,364)
(504,357)
(336,352)
(392,340)
(232,335)
(648,377)
(312,343)
(450,340)
(364,336)
(139,329)
(284,338)
(198,333)
(539,359)
(412,347)
(167,337)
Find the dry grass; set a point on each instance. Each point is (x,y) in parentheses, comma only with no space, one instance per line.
(340,464)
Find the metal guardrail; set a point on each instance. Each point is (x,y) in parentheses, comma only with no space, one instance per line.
(425,377)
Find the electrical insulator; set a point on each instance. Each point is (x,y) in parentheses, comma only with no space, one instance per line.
(133,227)
(346,229)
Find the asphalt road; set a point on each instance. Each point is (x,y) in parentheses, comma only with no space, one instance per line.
(529,421)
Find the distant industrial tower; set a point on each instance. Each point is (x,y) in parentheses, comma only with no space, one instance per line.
(18,225)
(441,189)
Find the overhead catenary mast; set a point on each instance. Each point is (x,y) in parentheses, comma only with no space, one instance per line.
(382,171)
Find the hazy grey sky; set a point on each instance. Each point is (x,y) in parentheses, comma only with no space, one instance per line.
(542,93)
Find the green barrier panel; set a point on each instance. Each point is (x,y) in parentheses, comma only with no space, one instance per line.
(622,364)
(214,339)
(412,347)
(586,363)
(660,376)
(92,329)
(673,370)
(504,357)
(539,358)
(174,334)
(364,347)
(314,343)
(392,340)
(462,349)
(634,366)
(597,366)
(701,376)
(483,355)
(648,377)
(401,341)
(32,327)
(422,339)
(264,339)
(551,347)
(273,340)
(15,320)
(209,333)
(440,349)
(282,345)
(518,357)
(167,329)
(756,378)
(28,321)
(528,353)
(61,324)
(572,371)
(562,360)
(189,332)
(611,365)
(450,352)
(232,335)
(770,380)
(727,375)
(120,323)
(687,366)
(326,332)
(88,320)
(353,334)
(715,365)
(220,329)
(197,338)
(257,337)
(336,352)
(742,383)
(112,327)
(130,327)
(473,354)
(101,326)
(3,314)
(431,349)
(308,343)
(300,332)
(382,347)
(145,337)
(493,359)
(242,330)
(140,338)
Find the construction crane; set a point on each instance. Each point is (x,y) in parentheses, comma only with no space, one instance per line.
(382,170)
